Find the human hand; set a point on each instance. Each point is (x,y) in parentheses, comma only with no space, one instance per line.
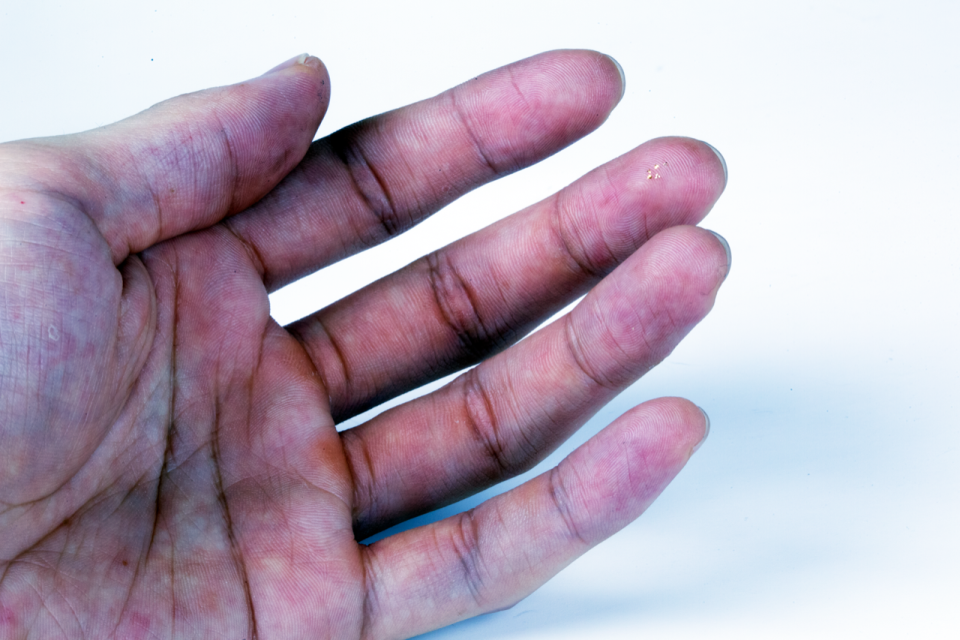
(169,462)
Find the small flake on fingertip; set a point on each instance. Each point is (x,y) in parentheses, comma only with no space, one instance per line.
(654,174)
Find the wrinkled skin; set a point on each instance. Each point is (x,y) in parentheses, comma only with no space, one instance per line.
(169,462)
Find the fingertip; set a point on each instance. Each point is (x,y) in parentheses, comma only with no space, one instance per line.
(532,108)
(595,80)
(634,459)
(706,430)
(608,78)
(316,65)
(723,161)
(703,166)
(314,80)
(669,180)
(699,257)
(690,257)
(726,249)
(681,426)
(623,77)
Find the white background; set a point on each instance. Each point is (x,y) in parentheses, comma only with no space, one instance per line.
(825,503)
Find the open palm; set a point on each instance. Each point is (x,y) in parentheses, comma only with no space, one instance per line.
(169,461)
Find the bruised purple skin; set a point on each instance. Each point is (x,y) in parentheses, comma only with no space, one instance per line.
(169,464)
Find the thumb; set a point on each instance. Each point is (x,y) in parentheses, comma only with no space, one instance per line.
(188,162)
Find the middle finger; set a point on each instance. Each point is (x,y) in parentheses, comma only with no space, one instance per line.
(475,297)
(504,416)
(379,177)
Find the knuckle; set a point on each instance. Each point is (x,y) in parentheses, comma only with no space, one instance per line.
(582,360)
(366,507)
(370,185)
(561,503)
(329,359)
(457,303)
(465,543)
(594,264)
(476,141)
(482,421)
(231,163)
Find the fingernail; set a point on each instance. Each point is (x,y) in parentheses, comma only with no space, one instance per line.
(726,247)
(303,58)
(722,161)
(623,77)
(313,62)
(706,429)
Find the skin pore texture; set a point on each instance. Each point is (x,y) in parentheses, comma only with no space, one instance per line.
(169,460)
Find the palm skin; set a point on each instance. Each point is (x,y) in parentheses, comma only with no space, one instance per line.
(169,461)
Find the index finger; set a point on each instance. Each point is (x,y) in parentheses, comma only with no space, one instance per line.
(365,183)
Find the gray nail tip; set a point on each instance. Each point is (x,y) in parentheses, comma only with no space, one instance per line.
(726,248)
(706,429)
(723,161)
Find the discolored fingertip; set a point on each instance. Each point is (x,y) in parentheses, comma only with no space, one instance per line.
(528,110)
(623,77)
(687,256)
(304,78)
(588,78)
(706,430)
(682,425)
(723,161)
(726,248)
